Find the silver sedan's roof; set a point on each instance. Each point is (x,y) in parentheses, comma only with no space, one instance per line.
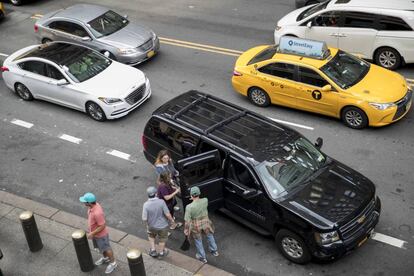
(82,12)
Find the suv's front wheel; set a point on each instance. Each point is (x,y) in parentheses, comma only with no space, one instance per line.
(292,246)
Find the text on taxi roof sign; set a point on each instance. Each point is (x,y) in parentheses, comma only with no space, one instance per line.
(303,47)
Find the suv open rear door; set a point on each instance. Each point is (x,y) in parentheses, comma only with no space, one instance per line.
(204,171)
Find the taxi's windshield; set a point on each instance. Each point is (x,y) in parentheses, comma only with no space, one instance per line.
(299,161)
(346,70)
(308,12)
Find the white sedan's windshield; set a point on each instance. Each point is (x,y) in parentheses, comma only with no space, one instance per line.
(299,161)
(86,65)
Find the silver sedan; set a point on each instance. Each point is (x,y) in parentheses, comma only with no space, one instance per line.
(76,77)
(101,29)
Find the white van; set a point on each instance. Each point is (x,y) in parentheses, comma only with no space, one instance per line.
(378,30)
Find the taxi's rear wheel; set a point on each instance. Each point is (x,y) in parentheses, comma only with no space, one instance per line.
(95,111)
(388,58)
(258,96)
(354,117)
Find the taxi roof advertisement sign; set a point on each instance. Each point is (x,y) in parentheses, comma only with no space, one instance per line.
(302,47)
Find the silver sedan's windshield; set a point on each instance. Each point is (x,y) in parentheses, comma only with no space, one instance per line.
(106,24)
(86,65)
(285,172)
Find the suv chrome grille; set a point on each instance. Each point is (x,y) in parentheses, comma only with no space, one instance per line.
(146,46)
(136,95)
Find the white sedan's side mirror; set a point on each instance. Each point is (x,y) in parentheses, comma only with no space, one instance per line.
(309,24)
(61,82)
(86,38)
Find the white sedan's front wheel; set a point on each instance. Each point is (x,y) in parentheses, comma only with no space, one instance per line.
(95,111)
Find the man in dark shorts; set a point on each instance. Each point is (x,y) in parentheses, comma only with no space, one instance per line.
(98,231)
(155,215)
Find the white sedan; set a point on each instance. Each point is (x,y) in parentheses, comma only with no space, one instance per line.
(77,77)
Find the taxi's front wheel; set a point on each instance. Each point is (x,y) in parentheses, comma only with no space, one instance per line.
(354,117)
(258,96)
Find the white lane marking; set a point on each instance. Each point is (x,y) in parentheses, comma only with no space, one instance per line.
(291,124)
(70,139)
(21,123)
(389,240)
(4,55)
(119,154)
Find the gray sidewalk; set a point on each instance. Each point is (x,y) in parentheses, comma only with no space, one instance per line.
(58,256)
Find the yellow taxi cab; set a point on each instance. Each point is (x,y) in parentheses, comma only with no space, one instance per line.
(2,12)
(307,75)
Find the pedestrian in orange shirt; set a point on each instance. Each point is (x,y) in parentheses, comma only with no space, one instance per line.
(98,231)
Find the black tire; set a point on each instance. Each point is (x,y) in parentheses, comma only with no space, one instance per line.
(258,96)
(46,40)
(292,247)
(23,92)
(388,58)
(16,2)
(1,15)
(354,117)
(95,111)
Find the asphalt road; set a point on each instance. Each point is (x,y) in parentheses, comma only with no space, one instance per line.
(35,163)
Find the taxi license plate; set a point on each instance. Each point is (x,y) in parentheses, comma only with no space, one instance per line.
(150,54)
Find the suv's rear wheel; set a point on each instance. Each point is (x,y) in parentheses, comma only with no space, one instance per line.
(258,96)
(95,111)
(354,117)
(292,246)
(388,58)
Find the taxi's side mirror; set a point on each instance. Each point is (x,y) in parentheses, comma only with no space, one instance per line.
(309,24)
(327,88)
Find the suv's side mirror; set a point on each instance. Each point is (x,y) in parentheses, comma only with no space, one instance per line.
(309,24)
(319,142)
(327,88)
(61,82)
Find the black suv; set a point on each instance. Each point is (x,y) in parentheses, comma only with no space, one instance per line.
(265,175)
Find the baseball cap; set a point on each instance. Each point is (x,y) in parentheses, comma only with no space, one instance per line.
(195,191)
(88,198)
(151,191)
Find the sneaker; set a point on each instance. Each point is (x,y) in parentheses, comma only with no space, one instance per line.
(102,261)
(153,253)
(163,254)
(215,253)
(201,259)
(110,267)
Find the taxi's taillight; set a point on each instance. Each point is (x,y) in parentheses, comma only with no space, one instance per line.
(237,74)
(4,69)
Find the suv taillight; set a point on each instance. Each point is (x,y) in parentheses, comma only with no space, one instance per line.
(36,28)
(144,142)
(4,69)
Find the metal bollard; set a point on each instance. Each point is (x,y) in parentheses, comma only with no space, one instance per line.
(83,252)
(30,231)
(136,263)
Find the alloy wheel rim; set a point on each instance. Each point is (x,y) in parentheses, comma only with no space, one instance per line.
(23,92)
(387,59)
(258,97)
(292,247)
(353,118)
(95,111)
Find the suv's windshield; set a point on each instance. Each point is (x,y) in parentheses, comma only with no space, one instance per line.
(86,65)
(285,172)
(108,23)
(308,12)
(346,70)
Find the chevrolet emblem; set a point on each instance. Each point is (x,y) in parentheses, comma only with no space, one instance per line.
(361,219)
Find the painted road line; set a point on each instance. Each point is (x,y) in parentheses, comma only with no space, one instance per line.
(119,154)
(389,240)
(199,48)
(70,139)
(21,123)
(291,124)
(200,45)
(3,55)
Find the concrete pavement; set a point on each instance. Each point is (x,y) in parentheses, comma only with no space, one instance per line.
(58,256)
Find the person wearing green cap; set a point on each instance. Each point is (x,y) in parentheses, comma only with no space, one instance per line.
(98,231)
(197,223)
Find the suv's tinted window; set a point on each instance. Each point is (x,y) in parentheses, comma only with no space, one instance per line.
(53,73)
(203,171)
(311,77)
(282,70)
(36,67)
(266,54)
(240,174)
(174,139)
(391,23)
(69,27)
(359,20)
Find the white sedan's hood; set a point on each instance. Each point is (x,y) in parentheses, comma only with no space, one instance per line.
(291,17)
(116,81)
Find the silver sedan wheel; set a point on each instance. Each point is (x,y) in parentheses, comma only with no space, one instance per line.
(95,112)
(353,118)
(387,59)
(292,247)
(23,92)
(258,96)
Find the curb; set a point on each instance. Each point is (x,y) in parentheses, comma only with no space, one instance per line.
(70,221)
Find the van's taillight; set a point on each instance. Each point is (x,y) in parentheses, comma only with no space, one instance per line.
(4,69)
(144,142)
(36,28)
(237,74)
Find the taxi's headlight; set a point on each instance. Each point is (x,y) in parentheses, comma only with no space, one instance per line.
(127,51)
(110,100)
(382,106)
(326,238)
